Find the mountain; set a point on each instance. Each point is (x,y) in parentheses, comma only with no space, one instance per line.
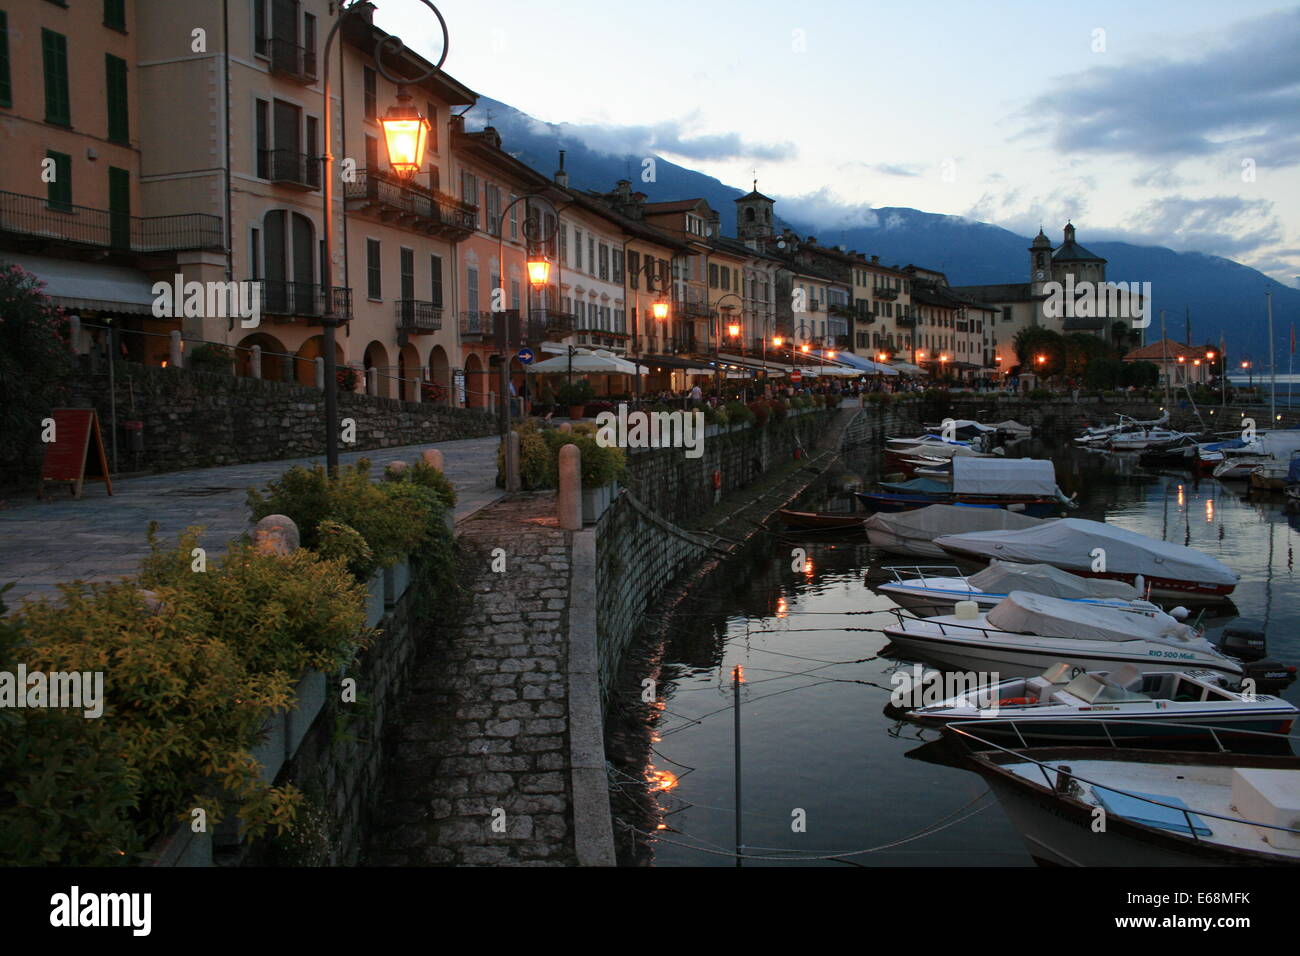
(1223,296)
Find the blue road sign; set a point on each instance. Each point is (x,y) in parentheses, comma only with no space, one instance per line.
(526,356)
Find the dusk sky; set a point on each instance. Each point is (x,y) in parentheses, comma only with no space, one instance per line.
(1151,131)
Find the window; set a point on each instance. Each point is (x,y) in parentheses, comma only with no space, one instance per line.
(713,275)
(469,191)
(618,266)
(60,187)
(564,244)
(115,84)
(604,261)
(492,198)
(262,139)
(372,154)
(435,281)
(259,27)
(471,289)
(633,268)
(591,255)
(309,43)
(115,14)
(54,53)
(726,278)
(514,294)
(431,114)
(514,217)
(371,96)
(407,265)
(119,208)
(374,286)
(577,248)
(6,89)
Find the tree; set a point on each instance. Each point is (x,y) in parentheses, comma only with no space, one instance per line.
(36,364)
(1035,342)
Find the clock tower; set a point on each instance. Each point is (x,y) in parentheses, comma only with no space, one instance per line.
(1040,262)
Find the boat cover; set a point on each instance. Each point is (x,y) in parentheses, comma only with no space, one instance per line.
(926,523)
(1026,613)
(1004,476)
(917,486)
(1293,472)
(1070,542)
(1280,444)
(1139,808)
(1013,427)
(1003,578)
(1221,445)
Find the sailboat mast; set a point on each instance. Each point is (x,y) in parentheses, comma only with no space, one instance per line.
(1272,367)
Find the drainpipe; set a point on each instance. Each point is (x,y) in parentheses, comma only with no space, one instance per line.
(230,226)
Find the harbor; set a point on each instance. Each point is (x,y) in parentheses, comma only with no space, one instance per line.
(830,773)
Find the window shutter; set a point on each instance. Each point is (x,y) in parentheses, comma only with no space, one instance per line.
(6,88)
(115,84)
(54,51)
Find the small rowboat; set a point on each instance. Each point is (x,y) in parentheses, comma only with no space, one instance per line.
(822,520)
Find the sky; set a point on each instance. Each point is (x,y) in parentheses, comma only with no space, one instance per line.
(1160,123)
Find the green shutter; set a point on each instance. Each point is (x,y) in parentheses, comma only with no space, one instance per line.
(115,14)
(54,52)
(60,189)
(119,207)
(115,83)
(6,90)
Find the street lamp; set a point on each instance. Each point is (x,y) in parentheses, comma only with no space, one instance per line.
(405,146)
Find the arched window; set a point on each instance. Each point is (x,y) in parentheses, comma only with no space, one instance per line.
(749,214)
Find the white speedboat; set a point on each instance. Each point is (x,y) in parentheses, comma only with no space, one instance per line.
(1075,544)
(1143,439)
(1160,807)
(1102,434)
(1064,704)
(1026,632)
(931,590)
(913,532)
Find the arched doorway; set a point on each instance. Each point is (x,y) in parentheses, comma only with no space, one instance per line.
(408,373)
(440,373)
(476,383)
(304,371)
(377,358)
(275,365)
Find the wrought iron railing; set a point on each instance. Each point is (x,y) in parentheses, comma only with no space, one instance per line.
(102,228)
(290,59)
(414,315)
(430,208)
(303,299)
(288,166)
(543,323)
(884,292)
(476,323)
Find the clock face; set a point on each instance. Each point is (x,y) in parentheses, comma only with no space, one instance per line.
(1039,274)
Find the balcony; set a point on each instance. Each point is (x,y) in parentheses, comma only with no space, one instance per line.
(415,317)
(33,217)
(303,300)
(407,204)
(291,60)
(905,321)
(843,310)
(692,310)
(864,316)
(682,344)
(885,293)
(289,168)
(477,325)
(544,324)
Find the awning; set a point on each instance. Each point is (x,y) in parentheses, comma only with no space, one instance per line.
(90,285)
(907,368)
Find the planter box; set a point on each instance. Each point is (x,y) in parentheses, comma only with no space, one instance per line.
(310,694)
(396,580)
(375,602)
(595,501)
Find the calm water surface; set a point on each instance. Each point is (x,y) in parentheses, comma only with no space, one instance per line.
(814,737)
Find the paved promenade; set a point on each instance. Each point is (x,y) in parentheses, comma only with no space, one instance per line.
(98,538)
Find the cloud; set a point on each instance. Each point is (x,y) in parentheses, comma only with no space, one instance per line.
(1161,177)
(1228,226)
(1024,215)
(825,211)
(885,169)
(1236,98)
(672,137)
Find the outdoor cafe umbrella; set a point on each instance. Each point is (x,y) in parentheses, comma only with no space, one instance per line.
(586,363)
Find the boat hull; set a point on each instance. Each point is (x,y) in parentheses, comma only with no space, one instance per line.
(1033,507)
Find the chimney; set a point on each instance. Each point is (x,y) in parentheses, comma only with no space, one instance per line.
(492,136)
(561,177)
(875,260)
(715,224)
(458,123)
(623,190)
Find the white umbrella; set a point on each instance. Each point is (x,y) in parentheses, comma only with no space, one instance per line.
(585,363)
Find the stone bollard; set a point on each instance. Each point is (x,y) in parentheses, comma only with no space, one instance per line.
(255,361)
(320,372)
(433,458)
(276,534)
(394,470)
(74,333)
(565,427)
(174,359)
(570,496)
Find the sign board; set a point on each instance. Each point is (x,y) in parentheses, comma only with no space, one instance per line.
(526,356)
(458,385)
(68,458)
(796,376)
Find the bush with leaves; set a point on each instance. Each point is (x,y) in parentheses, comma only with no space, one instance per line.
(211,357)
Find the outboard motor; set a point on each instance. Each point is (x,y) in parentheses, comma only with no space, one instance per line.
(1270,677)
(1245,644)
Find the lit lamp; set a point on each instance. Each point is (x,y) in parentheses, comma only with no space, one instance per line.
(733,330)
(830,354)
(406,134)
(539,271)
(805,348)
(882,357)
(660,310)
(777,341)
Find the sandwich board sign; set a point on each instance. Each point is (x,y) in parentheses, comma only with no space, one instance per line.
(68,458)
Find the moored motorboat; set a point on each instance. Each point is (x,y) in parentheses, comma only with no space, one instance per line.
(821,520)
(934,590)
(1158,807)
(1024,633)
(913,532)
(1025,485)
(1065,704)
(1071,544)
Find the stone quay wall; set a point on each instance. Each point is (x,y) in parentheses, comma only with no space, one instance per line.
(201,419)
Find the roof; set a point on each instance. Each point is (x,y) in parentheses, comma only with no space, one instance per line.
(1156,352)
(596,205)
(676,205)
(755,194)
(1005,292)
(1071,251)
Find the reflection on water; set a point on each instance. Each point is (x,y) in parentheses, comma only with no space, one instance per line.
(816,745)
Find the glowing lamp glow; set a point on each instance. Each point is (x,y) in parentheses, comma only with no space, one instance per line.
(830,354)
(660,310)
(881,357)
(778,341)
(733,330)
(539,271)
(805,347)
(406,134)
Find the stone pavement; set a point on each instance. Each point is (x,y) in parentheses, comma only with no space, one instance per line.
(483,734)
(98,538)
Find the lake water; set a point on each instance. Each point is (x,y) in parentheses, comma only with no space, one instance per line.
(816,745)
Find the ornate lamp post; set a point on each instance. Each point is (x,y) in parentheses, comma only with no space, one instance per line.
(405,141)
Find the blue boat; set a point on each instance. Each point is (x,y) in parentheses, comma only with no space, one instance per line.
(1024,485)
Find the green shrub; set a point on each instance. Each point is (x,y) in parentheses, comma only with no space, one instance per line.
(739,413)
(423,473)
(211,357)
(578,392)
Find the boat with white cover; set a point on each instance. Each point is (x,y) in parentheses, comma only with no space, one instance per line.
(1066,704)
(1161,807)
(1144,438)
(913,532)
(1077,544)
(1024,633)
(936,589)
(1267,448)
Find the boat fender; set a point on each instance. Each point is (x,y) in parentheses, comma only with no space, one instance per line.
(966,610)
(1179,613)
(1015,701)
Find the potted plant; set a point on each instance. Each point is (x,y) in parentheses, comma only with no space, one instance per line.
(575,396)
